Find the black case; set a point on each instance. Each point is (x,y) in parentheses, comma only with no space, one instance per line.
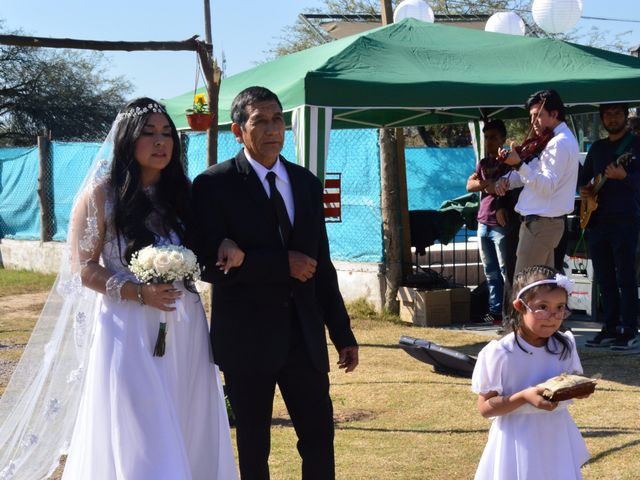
(444,360)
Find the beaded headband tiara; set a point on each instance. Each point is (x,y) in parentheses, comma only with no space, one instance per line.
(136,111)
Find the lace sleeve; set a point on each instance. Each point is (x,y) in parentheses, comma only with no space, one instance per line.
(114,285)
(88,227)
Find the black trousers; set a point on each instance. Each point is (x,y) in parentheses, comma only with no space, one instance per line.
(305,391)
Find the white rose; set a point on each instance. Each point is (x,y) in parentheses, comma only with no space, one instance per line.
(176,259)
(145,258)
(162,263)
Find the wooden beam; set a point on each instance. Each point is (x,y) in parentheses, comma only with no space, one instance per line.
(25,41)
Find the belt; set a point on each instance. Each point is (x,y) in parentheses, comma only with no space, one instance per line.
(528,218)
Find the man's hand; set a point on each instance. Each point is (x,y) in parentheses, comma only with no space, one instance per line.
(513,158)
(348,359)
(502,187)
(615,172)
(587,190)
(301,266)
(229,255)
(489,187)
(502,217)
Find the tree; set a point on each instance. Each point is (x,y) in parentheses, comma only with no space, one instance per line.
(68,93)
(300,35)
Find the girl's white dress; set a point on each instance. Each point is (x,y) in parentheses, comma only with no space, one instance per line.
(150,418)
(528,443)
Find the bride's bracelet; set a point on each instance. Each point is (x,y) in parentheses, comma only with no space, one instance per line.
(139,293)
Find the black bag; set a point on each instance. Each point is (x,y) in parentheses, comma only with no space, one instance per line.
(444,360)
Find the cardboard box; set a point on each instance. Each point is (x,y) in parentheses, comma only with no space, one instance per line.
(427,308)
(460,305)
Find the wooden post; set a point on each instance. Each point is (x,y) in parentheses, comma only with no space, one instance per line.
(212,75)
(391,226)
(386,10)
(393,202)
(45,190)
(211,71)
(403,198)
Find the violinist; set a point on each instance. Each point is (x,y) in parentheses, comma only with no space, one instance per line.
(612,228)
(548,178)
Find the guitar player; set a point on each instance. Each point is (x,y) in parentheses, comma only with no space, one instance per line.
(612,229)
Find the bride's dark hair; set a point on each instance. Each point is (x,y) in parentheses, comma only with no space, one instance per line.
(172,196)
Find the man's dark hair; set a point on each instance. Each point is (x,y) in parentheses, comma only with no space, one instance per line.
(607,106)
(250,96)
(495,124)
(551,99)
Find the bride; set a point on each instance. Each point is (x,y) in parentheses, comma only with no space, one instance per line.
(89,384)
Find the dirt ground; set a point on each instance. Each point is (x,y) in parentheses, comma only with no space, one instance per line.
(18,314)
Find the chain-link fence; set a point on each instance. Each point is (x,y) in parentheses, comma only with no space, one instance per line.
(433,175)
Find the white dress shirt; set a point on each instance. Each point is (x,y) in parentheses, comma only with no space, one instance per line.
(550,180)
(282,182)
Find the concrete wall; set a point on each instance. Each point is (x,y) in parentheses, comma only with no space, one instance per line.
(31,255)
(357,280)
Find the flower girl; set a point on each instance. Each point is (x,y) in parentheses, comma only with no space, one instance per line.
(530,437)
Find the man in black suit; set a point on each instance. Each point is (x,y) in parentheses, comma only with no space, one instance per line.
(269,314)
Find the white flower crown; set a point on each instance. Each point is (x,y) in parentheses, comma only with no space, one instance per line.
(559,280)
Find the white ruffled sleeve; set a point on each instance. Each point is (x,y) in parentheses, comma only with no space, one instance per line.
(487,374)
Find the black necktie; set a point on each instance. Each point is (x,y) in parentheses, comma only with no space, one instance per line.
(280,209)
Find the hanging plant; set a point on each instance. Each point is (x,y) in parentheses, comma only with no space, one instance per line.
(199,116)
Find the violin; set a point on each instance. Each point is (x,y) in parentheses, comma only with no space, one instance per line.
(530,148)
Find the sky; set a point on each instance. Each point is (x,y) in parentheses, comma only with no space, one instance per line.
(243,29)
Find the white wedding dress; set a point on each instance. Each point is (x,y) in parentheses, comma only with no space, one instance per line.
(143,417)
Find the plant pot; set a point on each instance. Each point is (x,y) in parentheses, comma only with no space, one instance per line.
(199,122)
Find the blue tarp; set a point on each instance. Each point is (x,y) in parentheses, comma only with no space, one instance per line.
(19,207)
(433,176)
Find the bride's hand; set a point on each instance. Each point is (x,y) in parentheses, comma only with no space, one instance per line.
(229,255)
(162,296)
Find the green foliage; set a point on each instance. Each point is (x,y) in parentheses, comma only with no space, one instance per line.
(363,309)
(68,93)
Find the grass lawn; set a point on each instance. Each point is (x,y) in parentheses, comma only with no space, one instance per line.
(397,419)
(16,282)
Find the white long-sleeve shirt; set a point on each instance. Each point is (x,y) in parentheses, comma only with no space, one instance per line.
(550,180)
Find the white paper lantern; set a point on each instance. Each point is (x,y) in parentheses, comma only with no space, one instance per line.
(505,22)
(418,9)
(556,16)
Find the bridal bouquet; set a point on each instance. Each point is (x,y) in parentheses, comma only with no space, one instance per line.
(165,264)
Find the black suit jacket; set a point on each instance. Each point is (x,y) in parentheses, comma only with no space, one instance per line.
(252,305)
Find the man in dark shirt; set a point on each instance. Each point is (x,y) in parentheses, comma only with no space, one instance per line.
(492,227)
(613,227)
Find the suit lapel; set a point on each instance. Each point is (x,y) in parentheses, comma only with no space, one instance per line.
(299,203)
(250,179)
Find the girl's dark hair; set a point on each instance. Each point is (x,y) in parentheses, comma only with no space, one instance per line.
(526,277)
(172,196)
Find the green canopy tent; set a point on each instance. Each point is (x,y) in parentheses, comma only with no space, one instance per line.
(417,73)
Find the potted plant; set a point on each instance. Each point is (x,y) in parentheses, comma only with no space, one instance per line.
(199,116)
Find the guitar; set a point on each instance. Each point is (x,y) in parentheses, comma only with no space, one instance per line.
(589,203)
